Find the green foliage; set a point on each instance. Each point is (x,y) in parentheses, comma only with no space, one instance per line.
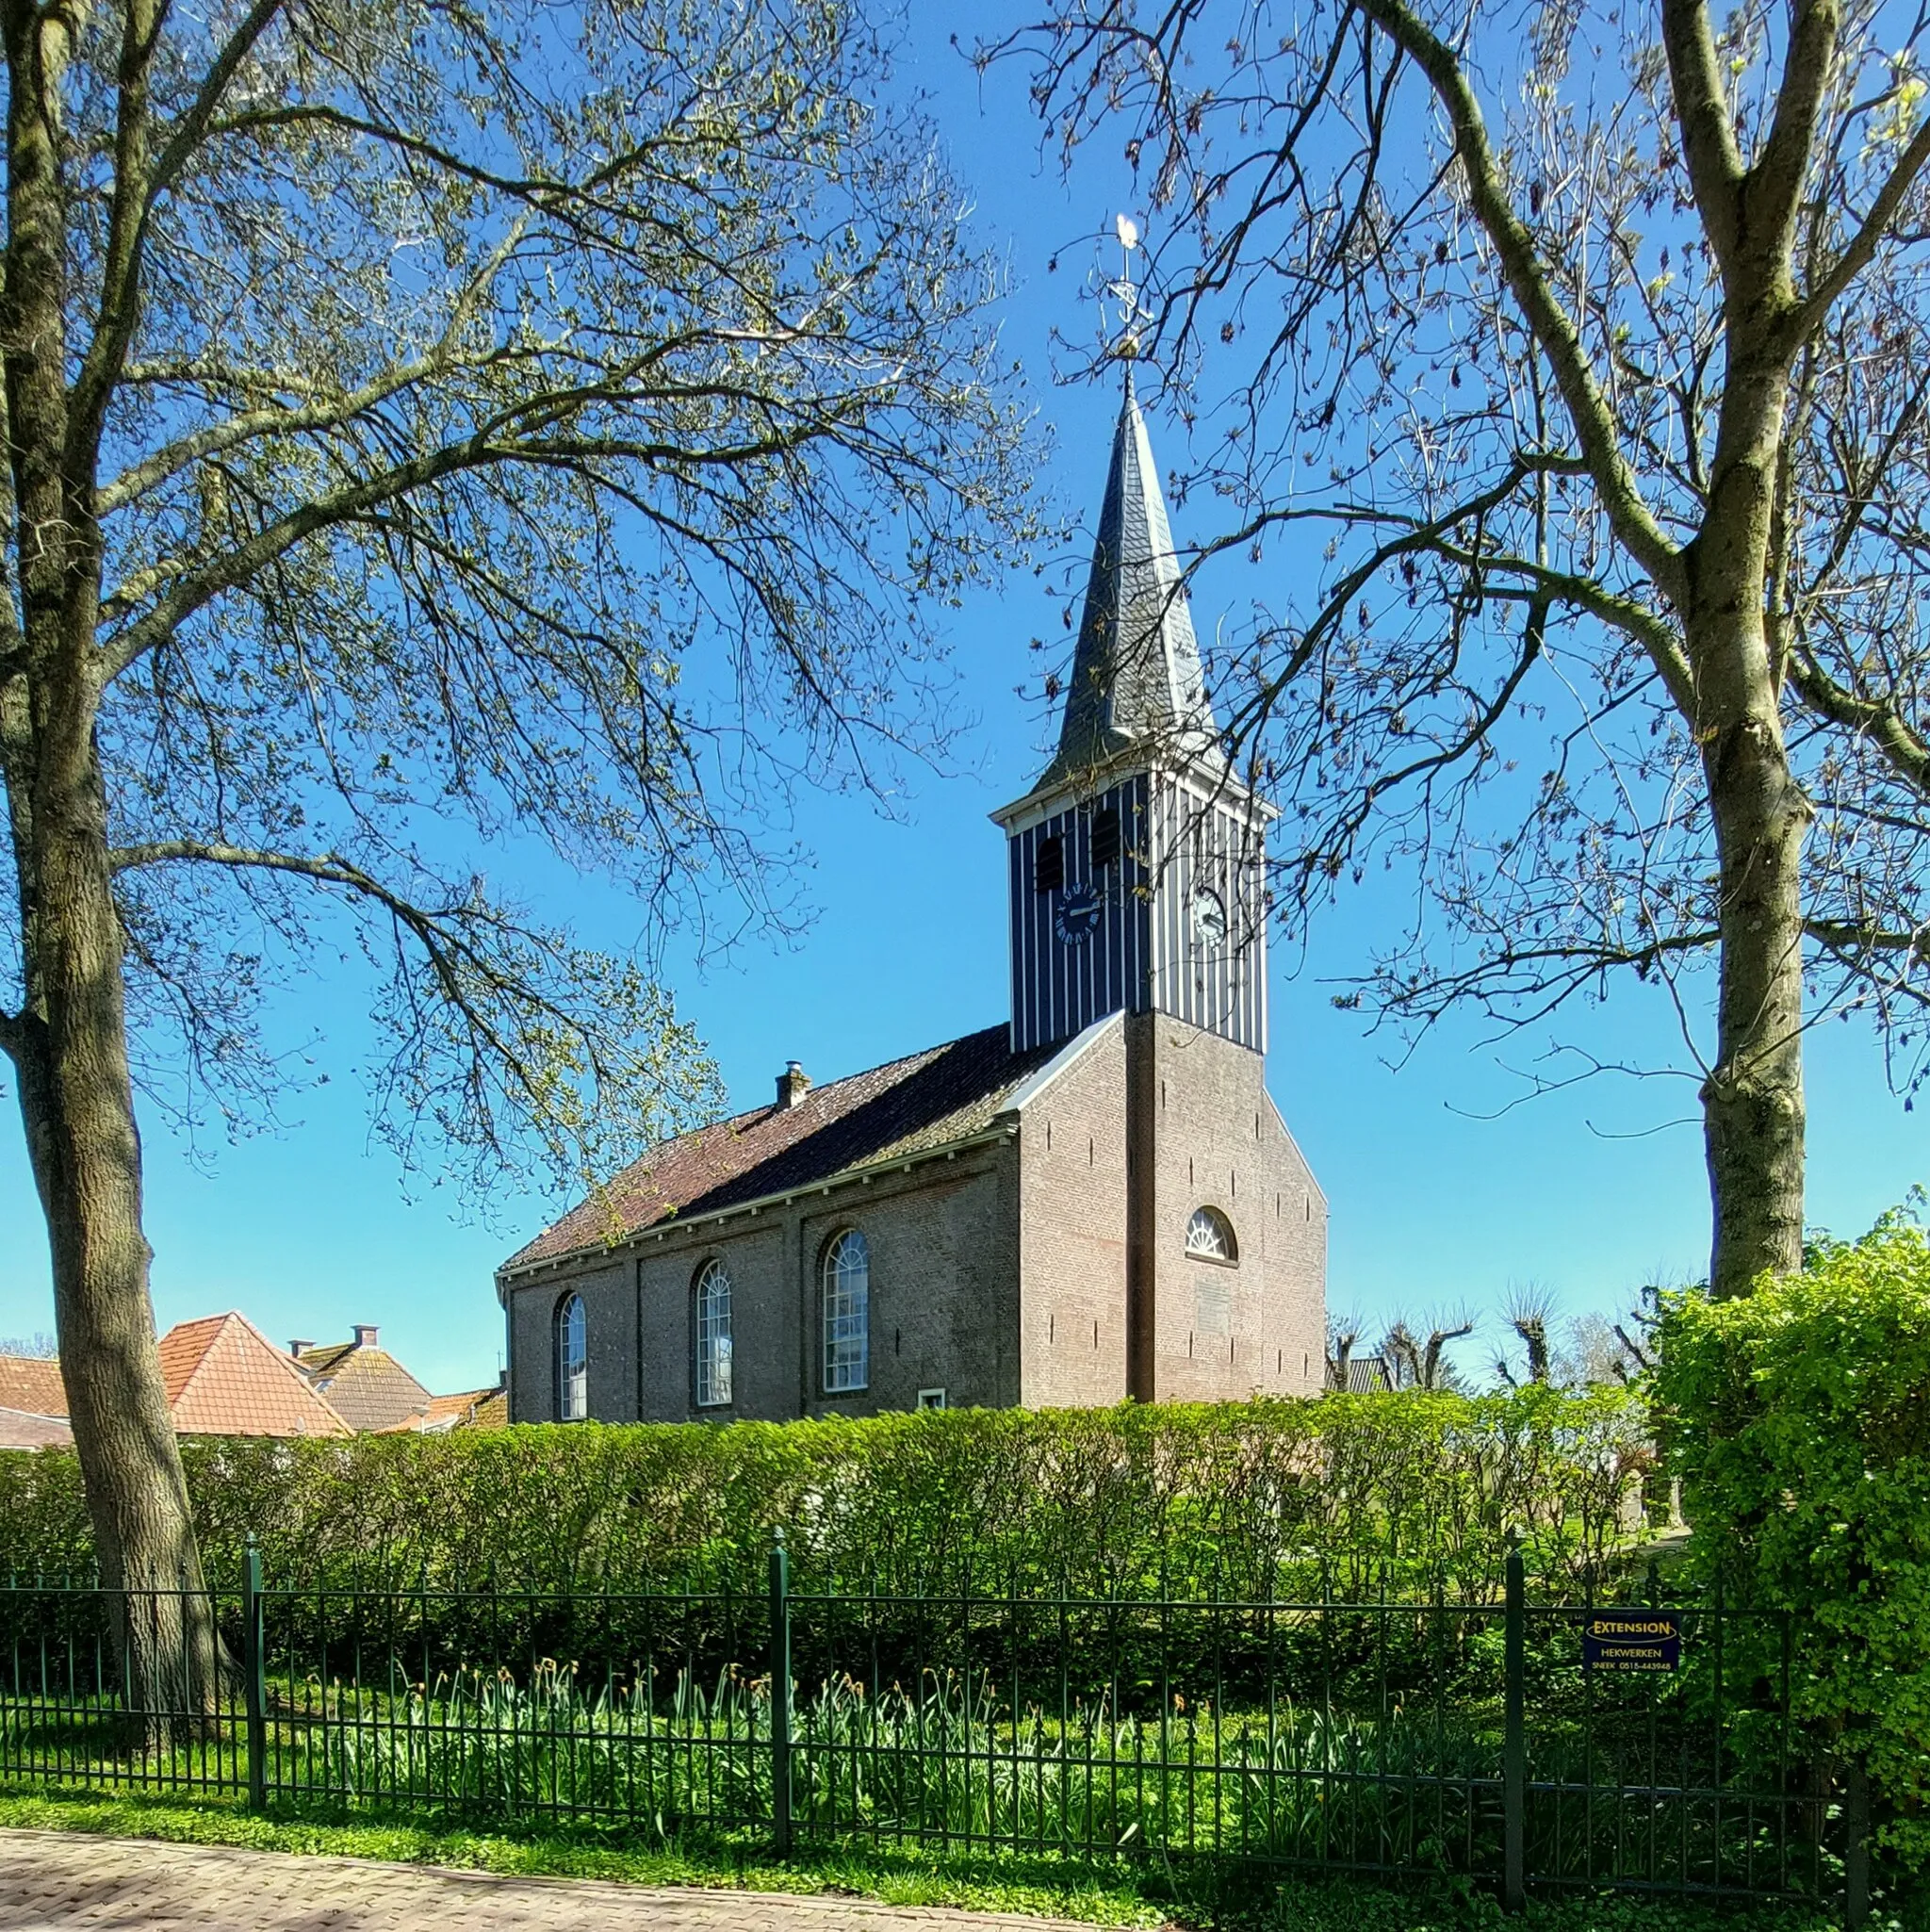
(1798,1420)
(1415,1490)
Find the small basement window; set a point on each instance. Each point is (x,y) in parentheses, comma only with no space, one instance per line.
(931,1399)
(1049,867)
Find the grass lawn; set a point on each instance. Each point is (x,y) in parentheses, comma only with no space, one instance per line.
(1137,1894)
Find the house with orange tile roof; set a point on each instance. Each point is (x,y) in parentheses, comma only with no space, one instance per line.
(33,1404)
(476,1408)
(31,1385)
(223,1377)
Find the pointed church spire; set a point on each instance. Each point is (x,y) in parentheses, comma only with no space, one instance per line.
(1137,681)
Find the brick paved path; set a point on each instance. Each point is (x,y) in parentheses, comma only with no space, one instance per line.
(51,1880)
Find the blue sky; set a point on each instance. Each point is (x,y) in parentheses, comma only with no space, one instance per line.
(1587,1193)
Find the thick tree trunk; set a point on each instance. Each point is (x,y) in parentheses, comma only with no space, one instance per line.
(1753,1115)
(70,1042)
(77,1104)
(1752,1099)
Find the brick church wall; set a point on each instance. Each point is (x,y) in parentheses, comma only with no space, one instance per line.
(1072,1232)
(944,1274)
(1219,1144)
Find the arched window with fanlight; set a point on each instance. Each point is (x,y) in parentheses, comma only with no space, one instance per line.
(1209,1236)
(846,1300)
(712,1330)
(572,1360)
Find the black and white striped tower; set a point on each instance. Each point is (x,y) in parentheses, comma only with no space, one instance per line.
(1138,858)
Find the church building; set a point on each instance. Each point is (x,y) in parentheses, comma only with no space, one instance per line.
(1095,1199)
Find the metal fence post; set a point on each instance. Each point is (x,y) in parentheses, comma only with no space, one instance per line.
(254,1675)
(1857,1848)
(780,1695)
(1513,1738)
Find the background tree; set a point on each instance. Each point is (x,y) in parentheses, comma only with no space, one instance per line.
(426,424)
(1585,345)
(1526,1315)
(1415,1361)
(1344,1332)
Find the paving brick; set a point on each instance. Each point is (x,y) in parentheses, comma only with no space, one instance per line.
(51,1881)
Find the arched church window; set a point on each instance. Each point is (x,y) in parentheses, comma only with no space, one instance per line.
(1049,866)
(1105,838)
(572,1360)
(847,1314)
(1209,1236)
(713,1327)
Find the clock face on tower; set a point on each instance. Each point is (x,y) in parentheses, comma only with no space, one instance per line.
(1209,918)
(1077,916)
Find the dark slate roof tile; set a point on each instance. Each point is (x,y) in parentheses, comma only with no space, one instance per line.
(926,1101)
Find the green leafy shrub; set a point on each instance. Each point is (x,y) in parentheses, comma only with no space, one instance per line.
(1799,1420)
(1411,1492)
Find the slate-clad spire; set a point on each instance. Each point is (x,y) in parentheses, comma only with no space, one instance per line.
(1137,681)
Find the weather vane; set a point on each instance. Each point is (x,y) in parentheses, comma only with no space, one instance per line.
(1125,290)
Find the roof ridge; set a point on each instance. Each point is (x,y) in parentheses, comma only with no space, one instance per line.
(287,1366)
(811,1093)
(214,1323)
(925,1098)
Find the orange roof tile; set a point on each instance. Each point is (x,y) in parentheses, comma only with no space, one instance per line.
(475,1408)
(225,1377)
(32,1383)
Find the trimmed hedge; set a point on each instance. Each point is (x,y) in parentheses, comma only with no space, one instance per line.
(1799,1420)
(1411,1492)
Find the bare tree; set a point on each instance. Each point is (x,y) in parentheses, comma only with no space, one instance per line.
(1413,1363)
(1343,1335)
(1597,1355)
(425,425)
(1586,349)
(1526,1313)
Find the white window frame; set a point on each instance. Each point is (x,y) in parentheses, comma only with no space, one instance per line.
(572,1346)
(711,1325)
(931,1399)
(845,1356)
(1210,1237)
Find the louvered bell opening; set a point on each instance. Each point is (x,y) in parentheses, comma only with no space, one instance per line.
(1049,868)
(1105,838)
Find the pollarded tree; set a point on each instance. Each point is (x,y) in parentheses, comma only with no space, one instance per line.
(422,422)
(1586,342)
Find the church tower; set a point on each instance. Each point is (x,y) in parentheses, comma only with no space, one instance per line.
(1137,860)
(1136,873)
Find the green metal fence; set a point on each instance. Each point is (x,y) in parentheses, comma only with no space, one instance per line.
(1378,1736)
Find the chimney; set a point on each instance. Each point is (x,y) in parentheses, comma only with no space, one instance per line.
(299,1349)
(792,1085)
(365,1335)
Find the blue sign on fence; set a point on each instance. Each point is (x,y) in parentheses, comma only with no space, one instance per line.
(1644,1642)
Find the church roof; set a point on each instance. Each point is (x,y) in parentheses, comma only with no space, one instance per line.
(926,1100)
(1137,682)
